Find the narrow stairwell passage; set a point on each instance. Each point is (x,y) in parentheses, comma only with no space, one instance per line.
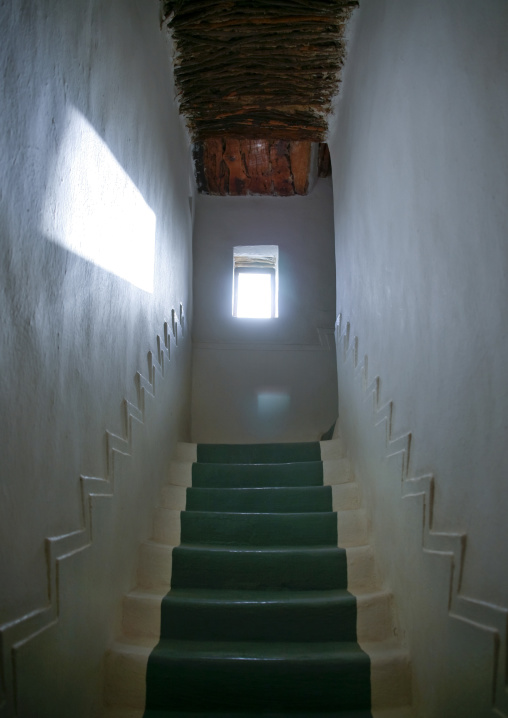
(242,606)
(258,620)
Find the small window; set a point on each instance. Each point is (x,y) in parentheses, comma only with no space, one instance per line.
(255,282)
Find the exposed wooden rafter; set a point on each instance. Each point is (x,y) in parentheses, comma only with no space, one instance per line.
(255,82)
(262,69)
(230,166)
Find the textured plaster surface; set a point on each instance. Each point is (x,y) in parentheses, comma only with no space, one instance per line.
(73,334)
(419,161)
(264,380)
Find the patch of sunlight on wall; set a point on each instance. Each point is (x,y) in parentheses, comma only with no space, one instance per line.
(272,403)
(93,208)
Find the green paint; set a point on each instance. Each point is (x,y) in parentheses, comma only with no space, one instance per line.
(299,568)
(229,615)
(265,499)
(256,714)
(259,529)
(223,476)
(258,621)
(259,453)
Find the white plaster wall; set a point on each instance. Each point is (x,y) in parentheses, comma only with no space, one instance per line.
(254,379)
(419,153)
(93,78)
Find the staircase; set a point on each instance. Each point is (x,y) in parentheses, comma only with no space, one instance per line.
(262,616)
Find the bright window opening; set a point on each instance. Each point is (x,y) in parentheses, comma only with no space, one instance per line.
(255,282)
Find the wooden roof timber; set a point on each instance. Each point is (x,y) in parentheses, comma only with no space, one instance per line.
(257,68)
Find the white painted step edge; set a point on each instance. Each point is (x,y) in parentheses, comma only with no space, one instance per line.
(337,471)
(186,451)
(180,473)
(361,570)
(390,675)
(332,449)
(352,528)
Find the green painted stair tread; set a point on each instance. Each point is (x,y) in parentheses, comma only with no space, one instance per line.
(309,473)
(259,529)
(319,616)
(256,714)
(259,453)
(258,621)
(210,566)
(194,675)
(265,499)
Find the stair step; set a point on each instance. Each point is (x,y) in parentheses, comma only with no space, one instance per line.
(390,675)
(309,473)
(318,616)
(266,616)
(389,669)
(125,675)
(258,453)
(361,570)
(269,500)
(352,528)
(166,526)
(318,568)
(185,452)
(348,528)
(180,473)
(252,714)
(154,568)
(406,711)
(259,529)
(375,617)
(331,449)
(173,497)
(258,676)
(337,471)
(346,497)
(141,614)
(125,712)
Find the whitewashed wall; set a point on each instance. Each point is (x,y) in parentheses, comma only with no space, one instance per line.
(419,154)
(254,379)
(95,245)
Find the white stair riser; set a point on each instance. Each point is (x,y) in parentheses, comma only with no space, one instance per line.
(337,471)
(332,449)
(186,452)
(173,497)
(180,473)
(346,497)
(167,526)
(126,675)
(390,676)
(361,572)
(141,615)
(374,617)
(123,712)
(352,528)
(154,570)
